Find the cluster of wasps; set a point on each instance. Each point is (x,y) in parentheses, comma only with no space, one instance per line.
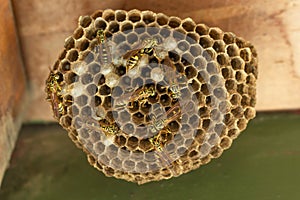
(148,47)
(160,129)
(133,59)
(53,89)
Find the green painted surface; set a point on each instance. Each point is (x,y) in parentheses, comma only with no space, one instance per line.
(263,163)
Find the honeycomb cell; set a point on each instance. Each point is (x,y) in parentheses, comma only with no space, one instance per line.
(174,56)
(69,43)
(116,163)
(108,15)
(66,121)
(222,59)
(225,142)
(240,42)
(61,57)
(183,46)
(113,27)
(86,79)
(107,103)
(85,21)
(162,19)
(245,54)
(216,33)
(101,79)
(165,100)
(100,147)
(219,93)
(232,50)
(231,85)
(205,124)
(148,17)
(174,22)
(190,72)
(201,29)
(229,38)
(219,46)
(209,54)
(206,42)
(148,96)
(86,111)
(78,33)
(140,27)
(238,112)
(227,73)
(233,133)
(216,152)
(249,113)
(192,38)
(132,38)
(138,118)
(72,55)
(120,15)
(81,100)
(132,142)
(97,101)
(237,63)
(65,66)
(242,123)
(187,59)
(220,129)
(134,16)
(215,80)
(240,76)
(195,85)
(245,101)
(205,89)
(104,90)
(212,68)
(188,25)
(97,14)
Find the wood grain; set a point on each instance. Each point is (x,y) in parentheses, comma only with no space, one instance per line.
(270,25)
(12,87)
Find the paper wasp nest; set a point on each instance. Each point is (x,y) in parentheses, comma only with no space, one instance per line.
(147,96)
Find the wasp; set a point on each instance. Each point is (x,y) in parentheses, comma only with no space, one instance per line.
(103,49)
(142,95)
(57,105)
(53,90)
(172,78)
(158,144)
(139,95)
(175,92)
(122,101)
(101,36)
(159,123)
(109,129)
(133,57)
(52,84)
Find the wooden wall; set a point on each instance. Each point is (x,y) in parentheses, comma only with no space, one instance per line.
(12,85)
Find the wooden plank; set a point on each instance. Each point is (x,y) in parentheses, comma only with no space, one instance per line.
(270,25)
(12,85)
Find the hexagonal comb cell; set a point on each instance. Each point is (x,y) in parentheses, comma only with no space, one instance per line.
(148,96)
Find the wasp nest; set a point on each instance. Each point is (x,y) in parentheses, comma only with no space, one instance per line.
(147,96)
